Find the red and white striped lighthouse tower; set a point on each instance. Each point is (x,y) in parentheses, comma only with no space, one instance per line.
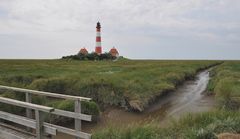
(98,48)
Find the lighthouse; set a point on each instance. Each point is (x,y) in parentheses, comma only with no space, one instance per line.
(98,48)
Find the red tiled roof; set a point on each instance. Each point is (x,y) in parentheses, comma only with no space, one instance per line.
(83,51)
(114,52)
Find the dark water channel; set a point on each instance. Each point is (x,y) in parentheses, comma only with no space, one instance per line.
(188,98)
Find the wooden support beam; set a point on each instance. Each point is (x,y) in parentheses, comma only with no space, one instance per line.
(78,123)
(29,100)
(39,124)
(45,93)
(29,114)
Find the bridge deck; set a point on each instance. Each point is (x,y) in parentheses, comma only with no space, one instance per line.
(9,132)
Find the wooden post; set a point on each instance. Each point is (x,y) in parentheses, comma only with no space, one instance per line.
(28,98)
(78,123)
(39,124)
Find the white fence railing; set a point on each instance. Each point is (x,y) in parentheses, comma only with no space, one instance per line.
(40,111)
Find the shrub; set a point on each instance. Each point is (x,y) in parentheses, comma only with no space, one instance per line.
(90,108)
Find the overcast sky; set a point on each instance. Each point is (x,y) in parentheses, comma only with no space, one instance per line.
(139,29)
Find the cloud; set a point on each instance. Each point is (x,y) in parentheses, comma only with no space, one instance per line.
(213,21)
(73,14)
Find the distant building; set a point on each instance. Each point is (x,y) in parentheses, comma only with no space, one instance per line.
(114,52)
(83,51)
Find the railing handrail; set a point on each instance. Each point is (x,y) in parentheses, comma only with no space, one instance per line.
(26,104)
(42,93)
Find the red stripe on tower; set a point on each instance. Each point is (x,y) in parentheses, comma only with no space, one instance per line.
(98,39)
(98,48)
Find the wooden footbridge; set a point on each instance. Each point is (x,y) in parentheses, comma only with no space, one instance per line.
(36,127)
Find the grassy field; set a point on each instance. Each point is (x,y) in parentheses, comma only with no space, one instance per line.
(193,126)
(225,85)
(132,84)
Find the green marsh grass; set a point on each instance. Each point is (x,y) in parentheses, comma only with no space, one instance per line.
(192,126)
(133,84)
(225,84)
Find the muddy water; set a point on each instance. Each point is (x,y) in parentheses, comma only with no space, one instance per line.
(188,98)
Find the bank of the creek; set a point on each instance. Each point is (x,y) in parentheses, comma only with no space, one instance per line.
(188,98)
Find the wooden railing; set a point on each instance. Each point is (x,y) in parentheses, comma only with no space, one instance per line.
(40,112)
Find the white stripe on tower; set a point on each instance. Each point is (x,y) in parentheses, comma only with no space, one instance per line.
(98,44)
(98,34)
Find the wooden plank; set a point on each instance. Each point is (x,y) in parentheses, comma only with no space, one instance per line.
(26,122)
(77,123)
(26,104)
(70,131)
(13,127)
(69,114)
(29,100)
(46,93)
(8,135)
(39,124)
(16,131)
(29,114)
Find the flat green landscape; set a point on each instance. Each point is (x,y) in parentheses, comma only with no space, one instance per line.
(133,84)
